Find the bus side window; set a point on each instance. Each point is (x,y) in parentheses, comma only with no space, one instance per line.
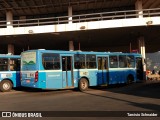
(51,61)
(113,61)
(79,61)
(130,61)
(122,61)
(14,64)
(91,61)
(3,64)
(77,65)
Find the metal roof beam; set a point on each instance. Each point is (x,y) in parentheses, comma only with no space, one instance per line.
(154,4)
(8,5)
(26,4)
(18,5)
(95,3)
(44,6)
(147,3)
(42,2)
(52,4)
(36,5)
(60,4)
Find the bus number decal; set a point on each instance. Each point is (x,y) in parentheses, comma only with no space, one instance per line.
(84,73)
(7,75)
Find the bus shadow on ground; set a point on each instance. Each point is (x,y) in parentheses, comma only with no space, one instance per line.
(27,89)
(149,89)
(149,106)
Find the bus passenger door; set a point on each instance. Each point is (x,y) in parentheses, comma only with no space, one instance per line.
(102,75)
(67,71)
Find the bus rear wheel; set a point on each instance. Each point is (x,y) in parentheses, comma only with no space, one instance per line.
(83,84)
(130,79)
(5,86)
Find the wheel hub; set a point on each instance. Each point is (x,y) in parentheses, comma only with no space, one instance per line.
(6,86)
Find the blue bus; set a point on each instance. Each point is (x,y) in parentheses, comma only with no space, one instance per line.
(9,72)
(54,69)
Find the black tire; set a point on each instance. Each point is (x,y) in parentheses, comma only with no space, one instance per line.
(83,84)
(5,86)
(130,79)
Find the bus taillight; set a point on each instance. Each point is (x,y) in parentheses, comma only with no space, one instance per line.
(36,76)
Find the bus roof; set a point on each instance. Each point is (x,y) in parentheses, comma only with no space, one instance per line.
(81,52)
(9,56)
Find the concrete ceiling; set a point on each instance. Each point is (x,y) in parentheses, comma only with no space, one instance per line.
(60,7)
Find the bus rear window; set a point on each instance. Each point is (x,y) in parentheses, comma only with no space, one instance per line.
(28,58)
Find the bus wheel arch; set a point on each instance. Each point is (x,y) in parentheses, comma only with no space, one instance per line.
(83,84)
(6,85)
(130,79)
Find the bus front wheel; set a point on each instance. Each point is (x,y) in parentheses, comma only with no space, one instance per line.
(5,86)
(83,84)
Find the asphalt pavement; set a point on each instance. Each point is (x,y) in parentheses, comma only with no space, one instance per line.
(105,102)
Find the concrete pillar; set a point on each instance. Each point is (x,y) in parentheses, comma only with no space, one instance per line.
(142,46)
(71,45)
(11,49)
(70,14)
(9,19)
(141,42)
(139,7)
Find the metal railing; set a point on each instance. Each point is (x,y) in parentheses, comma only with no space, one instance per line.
(82,18)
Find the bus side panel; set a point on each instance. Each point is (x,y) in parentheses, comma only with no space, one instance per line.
(115,76)
(76,77)
(121,76)
(131,72)
(102,77)
(42,80)
(90,74)
(18,81)
(11,75)
(124,73)
(54,80)
(99,77)
(93,81)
